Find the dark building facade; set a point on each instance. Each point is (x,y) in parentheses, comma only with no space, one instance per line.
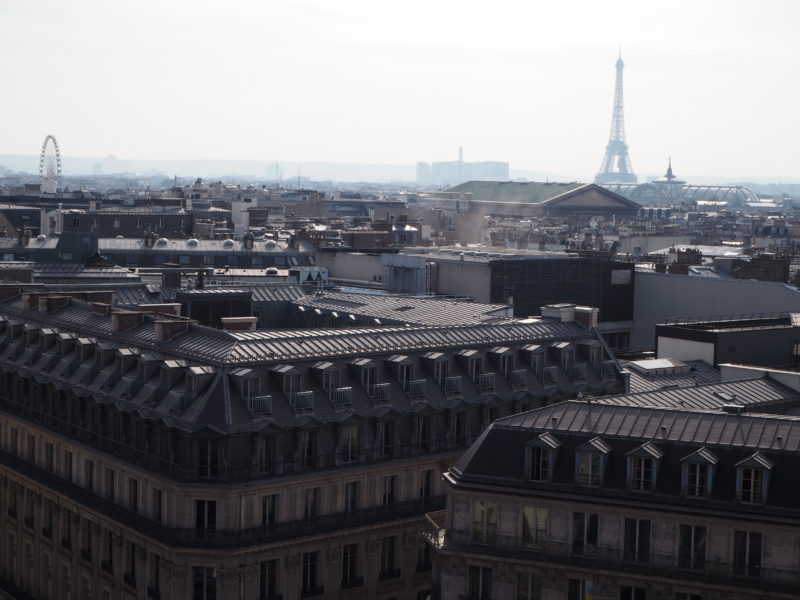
(531,284)
(145,456)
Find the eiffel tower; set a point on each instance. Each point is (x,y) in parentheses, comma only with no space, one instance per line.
(616,165)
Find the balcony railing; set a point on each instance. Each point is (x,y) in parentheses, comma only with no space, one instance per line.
(485,383)
(414,388)
(222,538)
(132,385)
(380,393)
(341,396)
(302,401)
(519,379)
(578,372)
(549,375)
(451,386)
(607,370)
(613,557)
(259,405)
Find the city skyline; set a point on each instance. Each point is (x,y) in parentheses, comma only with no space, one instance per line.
(309,82)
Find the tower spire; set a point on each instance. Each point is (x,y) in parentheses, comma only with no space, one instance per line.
(616,163)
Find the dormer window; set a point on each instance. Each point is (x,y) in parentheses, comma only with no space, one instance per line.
(643,467)
(752,478)
(590,462)
(541,457)
(698,472)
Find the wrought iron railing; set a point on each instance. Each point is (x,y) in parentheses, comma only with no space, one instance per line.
(259,405)
(380,393)
(341,396)
(485,383)
(414,388)
(302,401)
(451,386)
(519,379)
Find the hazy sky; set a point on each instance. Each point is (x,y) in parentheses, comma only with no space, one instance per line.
(713,83)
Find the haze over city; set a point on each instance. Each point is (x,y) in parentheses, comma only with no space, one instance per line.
(706,83)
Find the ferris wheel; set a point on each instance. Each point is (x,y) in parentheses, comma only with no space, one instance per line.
(50,165)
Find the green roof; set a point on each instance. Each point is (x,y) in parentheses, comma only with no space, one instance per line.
(514,191)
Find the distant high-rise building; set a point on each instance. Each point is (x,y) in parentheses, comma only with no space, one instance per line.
(616,165)
(454,172)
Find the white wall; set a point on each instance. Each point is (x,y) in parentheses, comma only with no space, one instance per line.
(659,296)
(685,350)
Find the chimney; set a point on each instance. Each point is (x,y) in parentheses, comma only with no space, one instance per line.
(51,303)
(171,278)
(9,291)
(100,308)
(239,323)
(150,239)
(661,268)
(248,240)
(165,308)
(122,320)
(166,329)
(586,316)
(102,296)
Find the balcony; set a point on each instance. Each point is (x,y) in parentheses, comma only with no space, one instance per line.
(414,389)
(485,383)
(312,592)
(577,372)
(341,396)
(380,393)
(50,361)
(519,379)
(131,385)
(451,386)
(607,370)
(259,406)
(302,401)
(612,558)
(72,366)
(549,375)
(352,583)
(389,575)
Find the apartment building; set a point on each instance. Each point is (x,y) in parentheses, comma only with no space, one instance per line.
(144,456)
(622,501)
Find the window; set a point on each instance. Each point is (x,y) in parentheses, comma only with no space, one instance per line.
(110,484)
(350,576)
(389,568)
(506,365)
(204,583)
(527,587)
(479,583)
(460,428)
(130,564)
(752,485)
(269,509)
(205,514)
(692,546)
(311,573)
(540,463)
(422,433)
(389,489)
(330,379)
(47,519)
(307,447)
(697,473)
(311,503)
(386,438)
(584,533)
(369,377)
(268,453)
(642,470)
(66,529)
(579,589)
(589,468)
(426,484)
(31,448)
(484,522)
(348,443)
(208,459)
(637,540)
(67,465)
(158,505)
(133,494)
(29,509)
(747,553)
(86,540)
(107,560)
(423,556)
(628,592)
(49,461)
(154,576)
(696,480)
(352,492)
(88,474)
(268,579)
(534,526)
